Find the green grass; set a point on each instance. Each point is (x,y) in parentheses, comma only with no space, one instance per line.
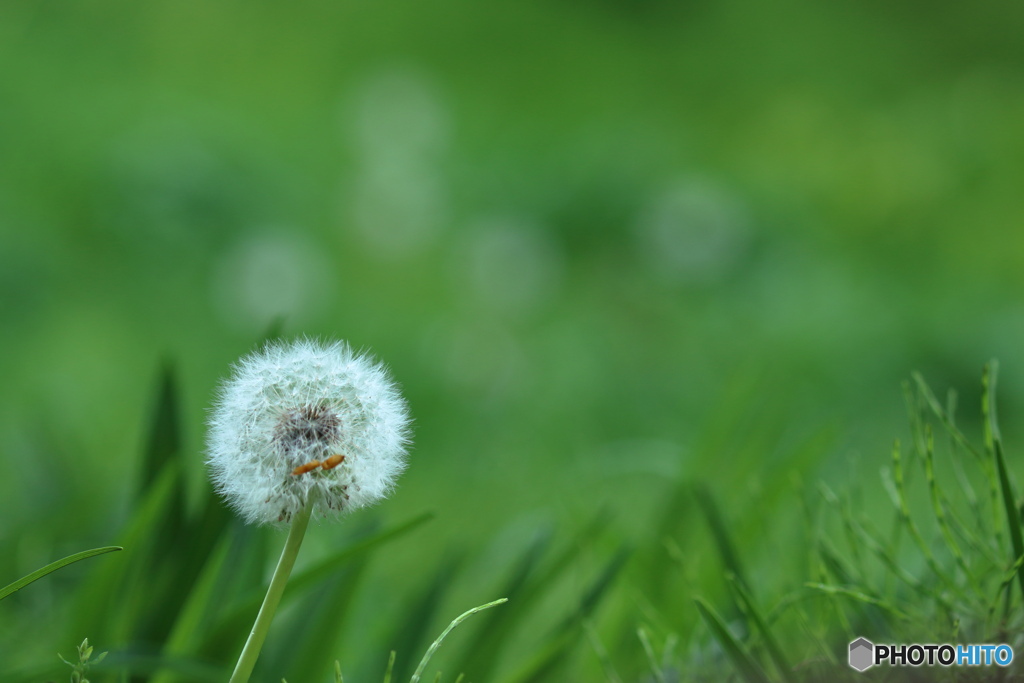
(932,577)
(621,418)
(942,564)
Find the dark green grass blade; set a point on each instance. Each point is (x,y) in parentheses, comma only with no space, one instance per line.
(203,534)
(1006,584)
(52,567)
(311,637)
(484,646)
(1012,513)
(593,596)
(719,532)
(185,544)
(745,665)
(545,662)
(754,614)
(242,614)
(244,565)
(483,653)
(197,607)
(994,438)
(544,665)
(163,441)
(165,560)
(318,572)
(414,630)
(110,600)
(181,563)
(652,660)
(173,555)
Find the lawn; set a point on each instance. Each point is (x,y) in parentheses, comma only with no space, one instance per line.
(655,279)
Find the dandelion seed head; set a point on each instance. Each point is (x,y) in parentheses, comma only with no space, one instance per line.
(292,404)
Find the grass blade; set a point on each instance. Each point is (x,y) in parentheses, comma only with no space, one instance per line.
(542,665)
(748,669)
(409,636)
(163,441)
(774,651)
(719,533)
(315,629)
(1012,514)
(994,439)
(245,609)
(602,654)
(484,646)
(861,597)
(652,660)
(54,566)
(437,643)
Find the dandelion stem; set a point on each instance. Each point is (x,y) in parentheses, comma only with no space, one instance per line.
(251,651)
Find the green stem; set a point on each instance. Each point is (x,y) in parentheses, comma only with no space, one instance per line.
(251,651)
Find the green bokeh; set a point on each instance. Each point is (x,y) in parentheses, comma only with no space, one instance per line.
(584,235)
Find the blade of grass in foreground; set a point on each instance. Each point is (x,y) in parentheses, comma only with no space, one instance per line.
(903,509)
(774,651)
(741,659)
(195,610)
(437,643)
(110,601)
(652,660)
(163,439)
(1012,515)
(52,567)
(724,544)
(992,434)
(414,631)
(161,563)
(861,597)
(958,437)
(592,597)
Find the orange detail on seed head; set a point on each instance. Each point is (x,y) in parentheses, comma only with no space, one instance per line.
(332,462)
(308,467)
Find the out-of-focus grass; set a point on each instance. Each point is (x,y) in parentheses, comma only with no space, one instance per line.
(177,607)
(610,249)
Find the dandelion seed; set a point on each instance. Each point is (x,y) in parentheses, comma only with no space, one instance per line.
(284,416)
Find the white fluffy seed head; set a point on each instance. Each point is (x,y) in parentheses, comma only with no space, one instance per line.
(291,404)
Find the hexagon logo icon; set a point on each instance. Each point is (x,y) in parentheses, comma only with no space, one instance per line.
(862,653)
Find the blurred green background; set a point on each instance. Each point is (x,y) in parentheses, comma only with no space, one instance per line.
(606,247)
